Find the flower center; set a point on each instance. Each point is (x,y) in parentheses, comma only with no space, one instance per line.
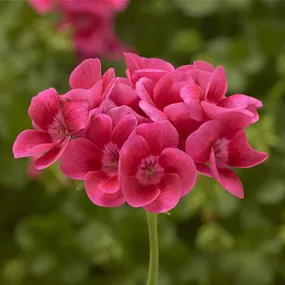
(61,130)
(221,151)
(58,129)
(110,159)
(149,171)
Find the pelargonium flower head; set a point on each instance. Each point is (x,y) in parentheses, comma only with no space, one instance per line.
(221,143)
(54,125)
(154,174)
(151,68)
(95,158)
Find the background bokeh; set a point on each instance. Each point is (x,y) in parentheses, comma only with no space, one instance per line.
(50,233)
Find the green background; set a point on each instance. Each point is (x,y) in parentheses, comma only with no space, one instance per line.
(52,234)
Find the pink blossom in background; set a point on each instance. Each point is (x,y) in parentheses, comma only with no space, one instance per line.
(142,139)
(91,22)
(42,6)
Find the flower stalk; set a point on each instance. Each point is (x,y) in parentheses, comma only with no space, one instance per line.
(153,249)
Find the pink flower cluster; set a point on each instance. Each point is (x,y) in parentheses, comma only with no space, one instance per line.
(92,23)
(143,139)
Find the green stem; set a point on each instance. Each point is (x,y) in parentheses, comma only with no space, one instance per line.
(154,254)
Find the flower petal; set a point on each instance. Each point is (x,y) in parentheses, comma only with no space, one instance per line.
(152,112)
(170,194)
(45,108)
(86,74)
(76,116)
(161,93)
(233,122)
(133,151)
(119,112)
(52,155)
(96,96)
(212,110)
(204,169)
(122,94)
(153,74)
(226,177)
(76,95)
(136,194)
(135,62)
(199,65)
(144,88)
(80,157)
(200,77)
(192,96)
(181,120)
(199,143)
(108,81)
(99,197)
(32,143)
(204,65)
(217,86)
(176,161)
(100,130)
(125,128)
(242,101)
(159,136)
(240,153)
(111,185)
(173,111)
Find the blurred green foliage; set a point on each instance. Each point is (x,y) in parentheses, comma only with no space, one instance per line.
(51,234)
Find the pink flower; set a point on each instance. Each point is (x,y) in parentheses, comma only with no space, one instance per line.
(101,42)
(42,6)
(206,96)
(154,174)
(222,144)
(54,126)
(87,83)
(95,159)
(112,95)
(151,68)
(93,31)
